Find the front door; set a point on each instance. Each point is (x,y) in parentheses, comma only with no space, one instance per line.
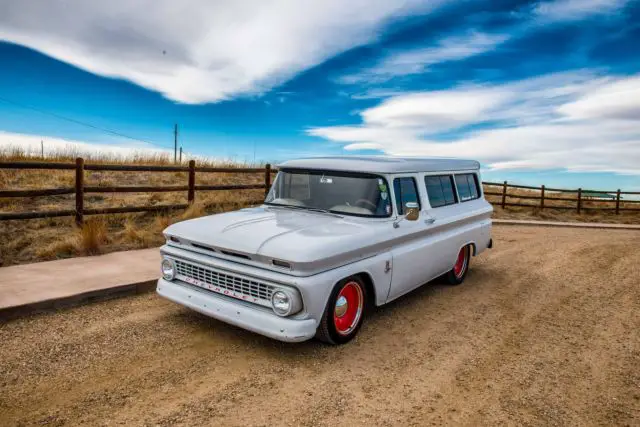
(410,250)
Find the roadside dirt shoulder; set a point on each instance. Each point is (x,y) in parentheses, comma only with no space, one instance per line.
(543,332)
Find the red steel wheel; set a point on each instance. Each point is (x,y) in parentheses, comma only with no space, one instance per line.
(461,262)
(343,314)
(460,268)
(348,308)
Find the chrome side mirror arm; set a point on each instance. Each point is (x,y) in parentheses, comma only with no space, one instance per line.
(413,212)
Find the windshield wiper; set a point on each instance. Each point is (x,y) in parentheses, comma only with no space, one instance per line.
(327,211)
(305,208)
(281,205)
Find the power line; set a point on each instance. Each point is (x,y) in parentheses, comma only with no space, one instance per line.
(78,122)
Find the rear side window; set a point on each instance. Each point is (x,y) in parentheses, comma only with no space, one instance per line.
(440,190)
(467,186)
(406,191)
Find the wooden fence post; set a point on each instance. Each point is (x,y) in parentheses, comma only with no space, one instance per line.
(542,197)
(504,194)
(579,199)
(79,191)
(191,195)
(267,179)
(618,202)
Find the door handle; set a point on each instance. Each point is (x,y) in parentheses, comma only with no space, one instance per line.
(430,220)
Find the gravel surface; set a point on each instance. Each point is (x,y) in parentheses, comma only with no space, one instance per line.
(543,332)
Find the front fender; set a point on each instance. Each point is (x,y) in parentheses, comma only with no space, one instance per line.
(316,289)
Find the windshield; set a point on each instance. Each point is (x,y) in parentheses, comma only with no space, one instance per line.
(356,194)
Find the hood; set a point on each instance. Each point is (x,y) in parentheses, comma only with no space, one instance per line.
(296,236)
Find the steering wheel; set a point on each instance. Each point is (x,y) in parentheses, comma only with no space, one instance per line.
(366,202)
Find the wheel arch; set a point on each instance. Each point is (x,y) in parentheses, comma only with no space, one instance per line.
(368,283)
(370,288)
(469,243)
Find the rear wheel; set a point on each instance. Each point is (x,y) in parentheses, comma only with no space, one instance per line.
(457,274)
(345,309)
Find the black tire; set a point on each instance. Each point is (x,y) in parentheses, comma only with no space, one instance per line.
(456,276)
(327,331)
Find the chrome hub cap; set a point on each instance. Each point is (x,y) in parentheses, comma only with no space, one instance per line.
(341,306)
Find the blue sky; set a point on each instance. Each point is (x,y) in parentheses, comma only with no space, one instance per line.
(538,91)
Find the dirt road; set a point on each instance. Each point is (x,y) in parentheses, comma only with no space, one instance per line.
(545,331)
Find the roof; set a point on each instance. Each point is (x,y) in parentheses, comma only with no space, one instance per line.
(381,164)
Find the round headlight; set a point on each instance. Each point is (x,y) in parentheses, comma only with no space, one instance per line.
(168,269)
(281,303)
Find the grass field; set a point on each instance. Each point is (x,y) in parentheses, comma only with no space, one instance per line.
(46,239)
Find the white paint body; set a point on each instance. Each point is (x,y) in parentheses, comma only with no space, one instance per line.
(323,249)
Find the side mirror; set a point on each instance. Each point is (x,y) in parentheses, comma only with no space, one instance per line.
(412,211)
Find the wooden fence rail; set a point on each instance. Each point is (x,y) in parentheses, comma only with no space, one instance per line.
(545,197)
(582,197)
(80,189)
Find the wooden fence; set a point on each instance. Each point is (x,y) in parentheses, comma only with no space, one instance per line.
(548,198)
(80,189)
(544,200)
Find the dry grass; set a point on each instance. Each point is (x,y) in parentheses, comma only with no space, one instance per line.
(69,154)
(47,239)
(93,234)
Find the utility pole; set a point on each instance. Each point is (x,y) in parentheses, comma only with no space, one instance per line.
(175,143)
(180,155)
(42,148)
(254,152)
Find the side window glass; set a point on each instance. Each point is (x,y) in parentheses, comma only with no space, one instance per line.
(447,188)
(440,190)
(406,191)
(434,191)
(467,186)
(473,185)
(463,187)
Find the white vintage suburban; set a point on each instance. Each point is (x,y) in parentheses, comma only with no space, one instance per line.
(334,237)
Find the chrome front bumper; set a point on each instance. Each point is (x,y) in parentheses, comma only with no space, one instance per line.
(244,316)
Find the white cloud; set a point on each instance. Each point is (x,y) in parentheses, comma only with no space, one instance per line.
(569,10)
(363,146)
(576,121)
(617,100)
(31,145)
(417,61)
(197,51)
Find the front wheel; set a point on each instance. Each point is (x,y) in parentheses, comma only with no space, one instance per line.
(457,274)
(343,315)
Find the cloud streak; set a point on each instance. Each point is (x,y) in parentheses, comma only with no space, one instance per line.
(418,61)
(198,51)
(571,10)
(574,121)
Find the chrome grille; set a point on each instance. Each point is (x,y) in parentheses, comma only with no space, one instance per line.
(228,284)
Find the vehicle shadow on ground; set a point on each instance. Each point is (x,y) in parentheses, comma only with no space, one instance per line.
(421,298)
(415,302)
